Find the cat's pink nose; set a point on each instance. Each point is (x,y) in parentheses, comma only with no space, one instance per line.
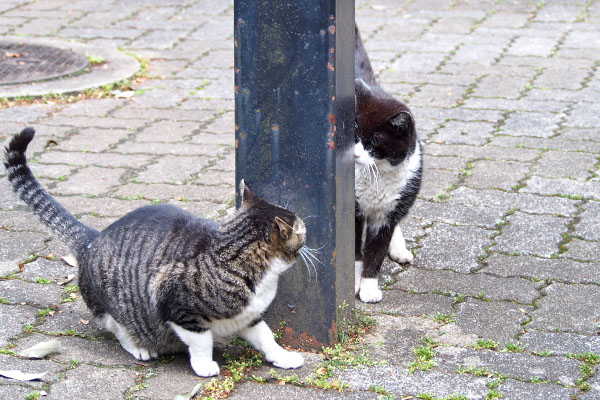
(356,156)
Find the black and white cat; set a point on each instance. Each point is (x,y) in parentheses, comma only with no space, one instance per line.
(387,169)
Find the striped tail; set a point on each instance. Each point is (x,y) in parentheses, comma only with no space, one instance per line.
(63,224)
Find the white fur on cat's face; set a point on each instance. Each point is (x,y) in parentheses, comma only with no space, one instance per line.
(362,156)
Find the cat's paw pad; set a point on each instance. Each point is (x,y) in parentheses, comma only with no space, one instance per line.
(139,353)
(369,291)
(287,359)
(401,256)
(205,368)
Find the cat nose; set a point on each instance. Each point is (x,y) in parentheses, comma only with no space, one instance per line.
(356,156)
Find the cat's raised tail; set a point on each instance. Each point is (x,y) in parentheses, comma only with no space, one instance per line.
(70,231)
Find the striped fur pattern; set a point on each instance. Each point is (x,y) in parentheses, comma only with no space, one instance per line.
(387,170)
(163,280)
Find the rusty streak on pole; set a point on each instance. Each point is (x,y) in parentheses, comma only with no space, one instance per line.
(294,137)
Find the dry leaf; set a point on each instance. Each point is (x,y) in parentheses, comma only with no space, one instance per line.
(321,371)
(188,396)
(71,260)
(21,267)
(12,55)
(21,376)
(42,349)
(69,278)
(84,321)
(281,383)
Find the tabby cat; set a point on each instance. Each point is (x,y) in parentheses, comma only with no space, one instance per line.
(387,170)
(163,280)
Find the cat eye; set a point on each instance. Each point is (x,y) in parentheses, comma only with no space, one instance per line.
(375,139)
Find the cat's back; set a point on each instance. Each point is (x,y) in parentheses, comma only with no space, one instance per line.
(175,232)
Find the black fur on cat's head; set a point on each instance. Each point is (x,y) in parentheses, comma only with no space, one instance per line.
(385,126)
(281,228)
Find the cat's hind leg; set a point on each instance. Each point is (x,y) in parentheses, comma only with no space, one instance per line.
(126,340)
(200,345)
(261,338)
(398,251)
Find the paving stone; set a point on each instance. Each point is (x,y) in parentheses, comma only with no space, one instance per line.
(458,215)
(435,182)
(560,343)
(177,149)
(406,304)
(182,193)
(20,221)
(522,234)
(496,174)
(507,201)
(516,390)
(498,86)
(104,206)
(453,247)
(17,247)
(57,271)
(562,187)
(97,159)
(172,169)
(89,379)
(562,269)
(566,308)
(90,180)
(13,319)
(104,351)
(587,225)
(583,116)
(481,152)
(555,164)
(531,124)
(498,321)
(167,131)
(37,294)
(93,139)
(459,132)
(251,390)
(51,368)
(69,316)
(448,282)
(582,250)
(400,382)
(15,391)
(522,366)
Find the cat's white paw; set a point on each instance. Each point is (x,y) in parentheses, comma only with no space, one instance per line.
(398,251)
(358,268)
(286,359)
(204,367)
(369,291)
(401,256)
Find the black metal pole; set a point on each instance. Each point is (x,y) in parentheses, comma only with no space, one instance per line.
(294,113)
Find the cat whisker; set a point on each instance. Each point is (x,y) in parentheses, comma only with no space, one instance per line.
(310,216)
(309,253)
(306,259)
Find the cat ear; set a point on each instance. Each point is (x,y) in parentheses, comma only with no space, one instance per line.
(361,89)
(247,195)
(403,120)
(284,228)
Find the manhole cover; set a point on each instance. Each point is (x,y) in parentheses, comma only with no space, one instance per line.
(20,62)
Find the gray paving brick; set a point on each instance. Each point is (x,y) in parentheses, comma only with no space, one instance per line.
(522,234)
(522,366)
(566,187)
(497,321)
(582,250)
(87,379)
(13,318)
(502,175)
(447,282)
(90,180)
(560,343)
(531,124)
(453,247)
(562,269)
(565,308)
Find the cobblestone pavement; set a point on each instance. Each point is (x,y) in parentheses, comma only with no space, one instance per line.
(503,295)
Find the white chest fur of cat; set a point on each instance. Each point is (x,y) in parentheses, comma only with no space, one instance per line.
(379,185)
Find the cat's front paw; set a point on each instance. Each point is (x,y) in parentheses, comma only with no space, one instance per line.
(369,291)
(204,367)
(401,255)
(286,359)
